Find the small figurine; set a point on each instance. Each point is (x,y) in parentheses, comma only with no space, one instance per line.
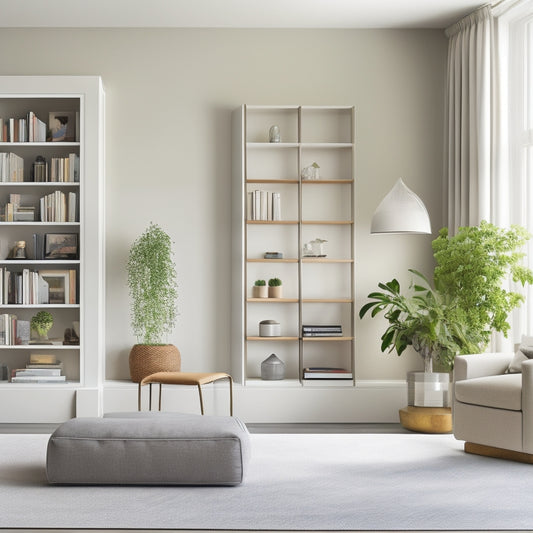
(274,135)
(18,251)
(311,172)
(314,248)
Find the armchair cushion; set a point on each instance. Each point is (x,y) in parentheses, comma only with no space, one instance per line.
(501,392)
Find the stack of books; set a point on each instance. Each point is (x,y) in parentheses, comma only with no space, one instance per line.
(321,330)
(326,372)
(42,368)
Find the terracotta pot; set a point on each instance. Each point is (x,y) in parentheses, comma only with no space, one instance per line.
(148,359)
(275,292)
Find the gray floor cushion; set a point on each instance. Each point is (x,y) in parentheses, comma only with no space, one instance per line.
(149,448)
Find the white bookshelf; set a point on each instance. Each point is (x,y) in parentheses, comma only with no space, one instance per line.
(316,290)
(81,394)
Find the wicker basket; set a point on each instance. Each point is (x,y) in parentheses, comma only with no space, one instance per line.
(147,359)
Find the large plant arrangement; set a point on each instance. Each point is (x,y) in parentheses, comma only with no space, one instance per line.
(153,287)
(468,301)
(153,290)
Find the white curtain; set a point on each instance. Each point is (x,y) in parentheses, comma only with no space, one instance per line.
(471,193)
(480,180)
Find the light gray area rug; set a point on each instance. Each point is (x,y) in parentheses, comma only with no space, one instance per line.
(294,482)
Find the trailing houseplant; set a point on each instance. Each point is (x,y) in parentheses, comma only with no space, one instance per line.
(153,291)
(468,301)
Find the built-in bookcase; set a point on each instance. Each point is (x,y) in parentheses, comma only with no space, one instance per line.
(80,98)
(318,285)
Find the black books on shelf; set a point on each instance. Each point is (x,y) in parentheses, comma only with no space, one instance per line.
(322,330)
(326,372)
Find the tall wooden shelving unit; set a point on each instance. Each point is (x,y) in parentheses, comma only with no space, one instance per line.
(81,394)
(317,290)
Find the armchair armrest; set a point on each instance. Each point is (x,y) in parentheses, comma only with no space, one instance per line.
(480,365)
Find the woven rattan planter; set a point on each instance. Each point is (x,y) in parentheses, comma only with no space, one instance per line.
(148,359)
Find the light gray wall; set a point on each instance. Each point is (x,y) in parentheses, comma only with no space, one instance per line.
(170,94)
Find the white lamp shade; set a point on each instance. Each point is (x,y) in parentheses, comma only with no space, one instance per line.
(401,211)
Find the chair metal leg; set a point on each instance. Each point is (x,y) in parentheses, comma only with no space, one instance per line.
(201,399)
(150,403)
(160,392)
(139,397)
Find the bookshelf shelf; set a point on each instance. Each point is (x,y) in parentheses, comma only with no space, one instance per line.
(28,108)
(320,290)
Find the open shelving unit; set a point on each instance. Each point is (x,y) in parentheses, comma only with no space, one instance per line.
(316,290)
(80,394)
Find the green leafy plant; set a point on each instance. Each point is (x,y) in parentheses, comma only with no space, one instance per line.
(152,286)
(274,282)
(42,322)
(468,302)
(260,283)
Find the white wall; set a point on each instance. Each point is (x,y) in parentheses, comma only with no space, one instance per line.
(170,94)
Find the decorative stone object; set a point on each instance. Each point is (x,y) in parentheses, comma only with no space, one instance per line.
(272,368)
(269,328)
(274,134)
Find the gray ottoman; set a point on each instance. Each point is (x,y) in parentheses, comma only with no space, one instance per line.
(149,448)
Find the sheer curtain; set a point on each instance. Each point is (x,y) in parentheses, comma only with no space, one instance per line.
(470,186)
(488,162)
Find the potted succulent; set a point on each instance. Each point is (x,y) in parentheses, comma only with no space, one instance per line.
(468,302)
(153,291)
(274,288)
(260,289)
(41,323)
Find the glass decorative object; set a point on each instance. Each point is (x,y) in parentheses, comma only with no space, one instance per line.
(274,135)
(312,172)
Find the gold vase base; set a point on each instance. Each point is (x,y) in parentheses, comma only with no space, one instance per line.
(427,419)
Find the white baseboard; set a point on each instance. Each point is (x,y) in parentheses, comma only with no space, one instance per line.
(367,402)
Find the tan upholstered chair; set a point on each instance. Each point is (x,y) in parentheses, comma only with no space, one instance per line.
(493,410)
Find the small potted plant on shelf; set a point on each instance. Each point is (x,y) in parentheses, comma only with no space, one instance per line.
(41,323)
(260,289)
(153,290)
(274,288)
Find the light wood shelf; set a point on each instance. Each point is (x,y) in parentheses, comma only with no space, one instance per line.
(323,208)
(275,339)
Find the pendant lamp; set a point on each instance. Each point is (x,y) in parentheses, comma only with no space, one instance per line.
(401,211)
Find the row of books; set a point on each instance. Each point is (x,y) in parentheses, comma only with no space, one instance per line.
(326,372)
(28,129)
(263,205)
(321,330)
(59,207)
(60,169)
(13,331)
(11,167)
(35,287)
(36,371)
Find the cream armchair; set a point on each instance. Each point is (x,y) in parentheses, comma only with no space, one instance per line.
(492,410)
